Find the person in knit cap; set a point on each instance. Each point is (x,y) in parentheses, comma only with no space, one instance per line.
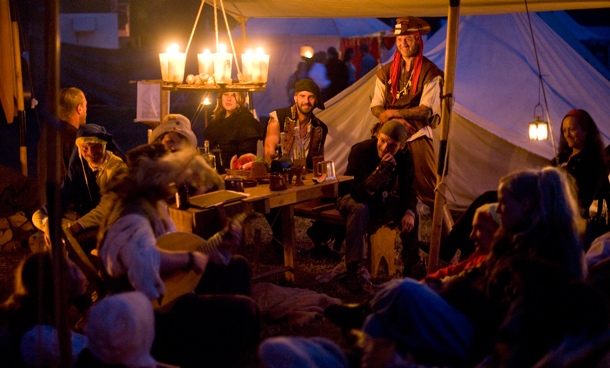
(381,192)
(175,133)
(312,130)
(408,90)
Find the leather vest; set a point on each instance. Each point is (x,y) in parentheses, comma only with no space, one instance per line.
(428,72)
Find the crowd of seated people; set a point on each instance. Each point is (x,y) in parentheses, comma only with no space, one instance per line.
(528,296)
(523,290)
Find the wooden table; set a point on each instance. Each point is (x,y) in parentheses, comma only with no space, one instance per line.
(262,199)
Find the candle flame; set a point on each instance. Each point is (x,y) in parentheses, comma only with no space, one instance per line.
(172,48)
(206,101)
(222,49)
(249,52)
(259,51)
(206,51)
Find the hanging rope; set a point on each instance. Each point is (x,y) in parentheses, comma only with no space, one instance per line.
(194,27)
(216,25)
(546,104)
(224,14)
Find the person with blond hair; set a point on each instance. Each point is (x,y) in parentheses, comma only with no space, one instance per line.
(539,220)
(72,114)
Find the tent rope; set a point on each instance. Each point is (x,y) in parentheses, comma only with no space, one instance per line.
(546,104)
(224,14)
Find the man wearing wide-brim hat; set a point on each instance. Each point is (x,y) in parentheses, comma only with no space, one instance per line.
(408,90)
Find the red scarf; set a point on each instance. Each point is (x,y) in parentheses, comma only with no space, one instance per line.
(395,70)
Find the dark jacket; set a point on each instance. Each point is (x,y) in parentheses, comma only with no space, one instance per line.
(589,171)
(236,135)
(362,162)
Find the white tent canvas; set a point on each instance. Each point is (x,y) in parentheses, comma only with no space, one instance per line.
(282,39)
(496,91)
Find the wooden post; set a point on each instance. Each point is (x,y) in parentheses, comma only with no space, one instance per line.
(446,104)
(52,57)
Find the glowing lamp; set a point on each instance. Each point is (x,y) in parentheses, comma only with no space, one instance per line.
(247,63)
(260,66)
(172,65)
(539,130)
(307,51)
(223,62)
(206,62)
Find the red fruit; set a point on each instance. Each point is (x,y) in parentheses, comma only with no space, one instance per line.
(235,165)
(245,158)
(247,166)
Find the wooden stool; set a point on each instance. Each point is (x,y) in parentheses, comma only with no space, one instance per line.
(382,247)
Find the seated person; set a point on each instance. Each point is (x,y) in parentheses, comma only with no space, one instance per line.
(27,317)
(95,160)
(175,133)
(121,331)
(381,192)
(313,132)
(233,129)
(540,221)
(582,155)
(201,328)
(485,223)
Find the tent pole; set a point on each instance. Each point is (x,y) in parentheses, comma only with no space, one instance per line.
(23,148)
(453,21)
(52,58)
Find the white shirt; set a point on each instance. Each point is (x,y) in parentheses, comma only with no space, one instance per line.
(431,97)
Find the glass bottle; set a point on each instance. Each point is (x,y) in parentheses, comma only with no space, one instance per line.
(183,197)
(209,158)
(298,153)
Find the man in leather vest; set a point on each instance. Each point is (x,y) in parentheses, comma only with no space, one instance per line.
(313,131)
(313,135)
(409,90)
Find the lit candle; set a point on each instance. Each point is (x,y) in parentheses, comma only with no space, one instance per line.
(246,62)
(206,63)
(260,66)
(223,61)
(172,65)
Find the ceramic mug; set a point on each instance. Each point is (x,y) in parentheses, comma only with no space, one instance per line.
(315,160)
(276,182)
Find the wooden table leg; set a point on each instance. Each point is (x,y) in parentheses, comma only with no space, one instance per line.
(287,213)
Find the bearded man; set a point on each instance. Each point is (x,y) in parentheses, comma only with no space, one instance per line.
(313,131)
(408,90)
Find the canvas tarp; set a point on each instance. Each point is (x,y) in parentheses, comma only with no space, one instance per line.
(282,40)
(496,91)
(393,8)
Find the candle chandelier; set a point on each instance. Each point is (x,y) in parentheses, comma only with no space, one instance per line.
(215,68)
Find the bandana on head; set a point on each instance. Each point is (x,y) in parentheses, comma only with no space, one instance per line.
(395,130)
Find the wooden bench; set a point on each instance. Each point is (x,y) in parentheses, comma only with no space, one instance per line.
(381,242)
